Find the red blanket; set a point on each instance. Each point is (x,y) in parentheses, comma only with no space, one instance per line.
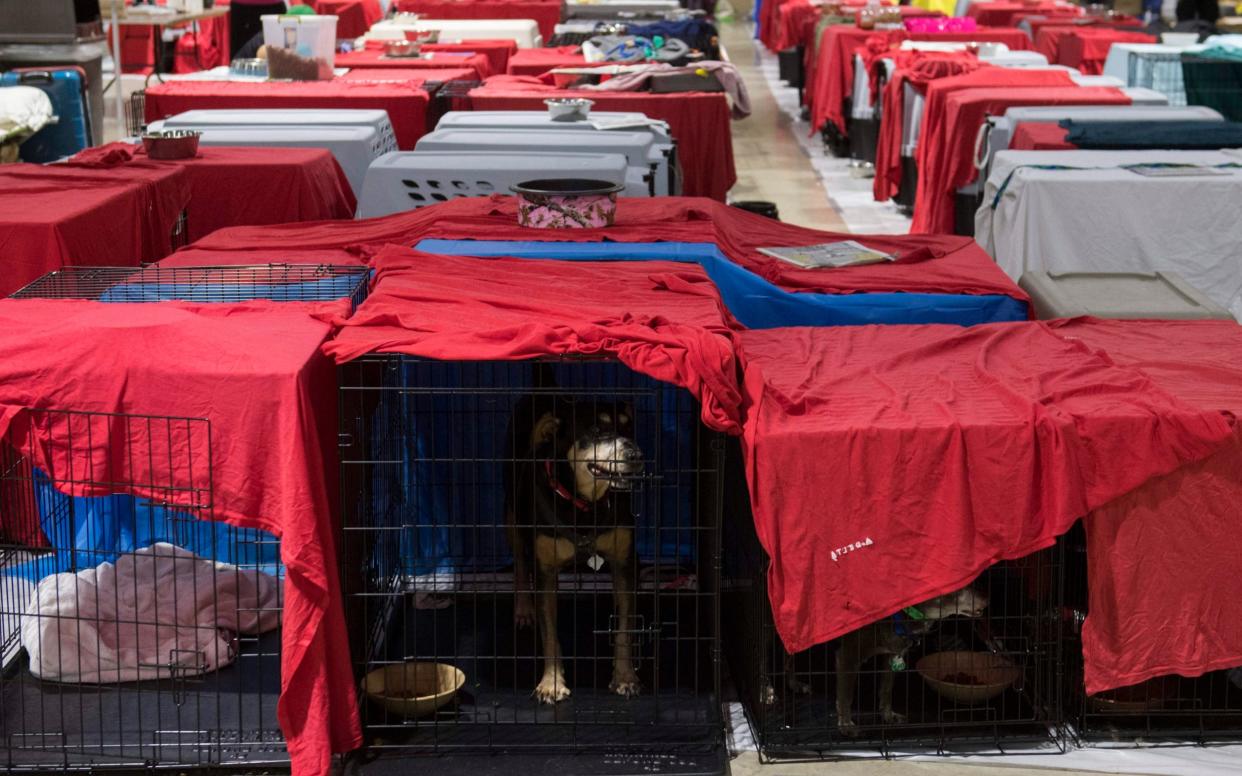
(353,17)
(945,153)
(414,76)
(1165,595)
(926,263)
(406,103)
(497,51)
(891,464)
(368,59)
(58,216)
(1083,48)
(539,61)
(1002,13)
(546,13)
(1039,136)
(255,373)
(245,186)
(662,319)
(699,121)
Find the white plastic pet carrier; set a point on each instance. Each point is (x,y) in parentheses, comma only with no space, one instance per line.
(524,32)
(406,180)
(303,117)
(648,172)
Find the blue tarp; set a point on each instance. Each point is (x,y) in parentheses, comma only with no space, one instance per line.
(755,302)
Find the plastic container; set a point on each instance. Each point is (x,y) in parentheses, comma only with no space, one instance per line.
(1118,295)
(566,204)
(312,36)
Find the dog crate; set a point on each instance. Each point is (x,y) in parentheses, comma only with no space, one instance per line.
(1161,71)
(137,631)
(969,683)
(438,472)
(523,32)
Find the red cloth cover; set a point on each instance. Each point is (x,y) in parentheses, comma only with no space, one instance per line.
(414,76)
(1002,13)
(255,373)
(963,447)
(662,319)
(367,58)
(945,153)
(1039,136)
(540,61)
(57,216)
(545,13)
(247,186)
(926,263)
(406,104)
(1086,49)
(699,121)
(496,51)
(354,17)
(1165,592)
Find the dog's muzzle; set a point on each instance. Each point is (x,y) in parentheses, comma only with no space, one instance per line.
(615,459)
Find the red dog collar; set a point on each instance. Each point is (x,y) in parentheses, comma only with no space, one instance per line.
(562,491)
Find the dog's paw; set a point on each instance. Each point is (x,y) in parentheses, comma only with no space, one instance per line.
(551,690)
(625,685)
(891,717)
(524,610)
(767,696)
(847,728)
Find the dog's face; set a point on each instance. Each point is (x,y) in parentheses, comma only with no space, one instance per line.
(966,602)
(595,436)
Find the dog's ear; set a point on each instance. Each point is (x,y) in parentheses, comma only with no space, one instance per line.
(544,431)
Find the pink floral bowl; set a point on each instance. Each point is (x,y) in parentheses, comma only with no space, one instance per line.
(572,203)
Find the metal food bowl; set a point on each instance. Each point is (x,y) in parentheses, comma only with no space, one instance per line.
(171,144)
(948,673)
(569,108)
(414,688)
(402,48)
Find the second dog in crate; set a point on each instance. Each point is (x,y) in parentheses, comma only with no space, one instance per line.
(567,500)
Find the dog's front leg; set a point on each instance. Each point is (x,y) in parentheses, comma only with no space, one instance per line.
(887,679)
(617,547)
(550,554)
(523,601)
(847,684)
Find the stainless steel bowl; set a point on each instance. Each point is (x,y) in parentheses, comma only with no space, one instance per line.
(172,144)
(569,109)
(402,48)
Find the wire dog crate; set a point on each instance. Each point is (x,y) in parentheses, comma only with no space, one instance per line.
(1214,83)
(242,283)
(1158,71)
(136,630)
(446,468)
(973,683)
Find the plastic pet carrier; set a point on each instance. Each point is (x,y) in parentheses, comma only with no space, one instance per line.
(598,633)
(981,680)
(137,630)
(408,180)
(524,32)
(67,88)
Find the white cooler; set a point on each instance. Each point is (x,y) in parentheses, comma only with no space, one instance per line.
(524,32)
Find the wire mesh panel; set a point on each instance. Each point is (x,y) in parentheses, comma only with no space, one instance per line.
(530,557)
(276,282)
(1159,71)
(977,668)
(136,630)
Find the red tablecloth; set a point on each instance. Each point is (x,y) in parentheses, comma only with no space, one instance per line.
(207,48)
(540,61)
(546,13)
(832,80)
(1087,48)
(1036,136)
(698,120)
(365,59)
(58,216)
(354,17)
(246,186)
(410,75)
(1000,13)
(255,373)
(964,446)
(406,104)
(1038,22)
(497,51)
(1165,592)
(936,264)
(951,121)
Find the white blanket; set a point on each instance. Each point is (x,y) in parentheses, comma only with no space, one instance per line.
(154,612)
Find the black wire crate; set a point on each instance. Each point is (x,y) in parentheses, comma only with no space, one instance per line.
(137,631)
(530,558)
(241,283)
(977,670)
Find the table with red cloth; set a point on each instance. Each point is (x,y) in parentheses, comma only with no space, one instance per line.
(256,374)
(934,264)
(1117,21)
(245,186)
(415,76)
(1040,136)
(1040,430)
(832,79)
(406,103)
(1084,48)
(353,17)
(376,59)
(59,216)
(537,61)
(1002,13)
(545,13)
(496,50)
(953,112)
(698,120)
(204,46)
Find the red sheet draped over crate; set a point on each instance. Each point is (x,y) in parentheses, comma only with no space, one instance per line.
(1008,14)
(1040,136)
(376,59)
(57,216)
(254,371)
(353,17)
(937,264)
(536,62)
(663,319)
(1165,592)
(1084,48)
(888,465)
